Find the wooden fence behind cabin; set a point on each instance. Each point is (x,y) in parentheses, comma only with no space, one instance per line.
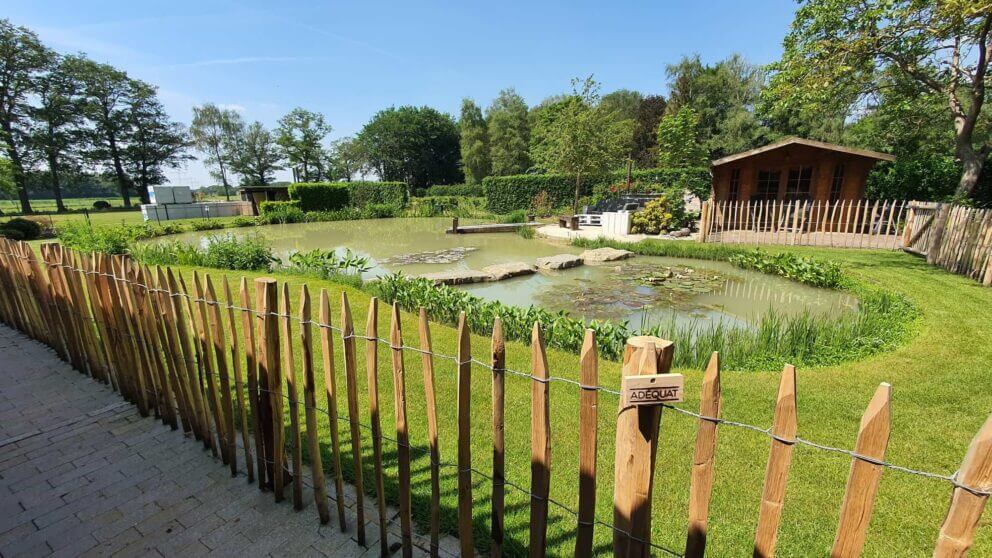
(841,223)
(177,354)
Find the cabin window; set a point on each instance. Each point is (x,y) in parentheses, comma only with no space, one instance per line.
(799,183)
(767,185)
(837,185)
(735,184)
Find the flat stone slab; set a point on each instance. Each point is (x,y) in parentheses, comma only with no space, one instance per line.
(499,272)
(561,261)
(605,255)
(458,277)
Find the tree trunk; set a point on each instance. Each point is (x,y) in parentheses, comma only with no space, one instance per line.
(972,162)
(122,181)
(53,171)
(578,187)
(223,175)
(20,178)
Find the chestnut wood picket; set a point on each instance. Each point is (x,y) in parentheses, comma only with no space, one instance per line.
(177,355)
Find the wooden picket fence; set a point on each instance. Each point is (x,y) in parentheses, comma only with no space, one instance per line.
(954,237)
(177,354)
(842,223)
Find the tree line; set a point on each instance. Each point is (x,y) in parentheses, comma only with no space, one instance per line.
(901,77)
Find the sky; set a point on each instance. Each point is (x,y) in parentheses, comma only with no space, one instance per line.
(350,60)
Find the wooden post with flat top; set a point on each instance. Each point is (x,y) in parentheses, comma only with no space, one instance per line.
(636,447)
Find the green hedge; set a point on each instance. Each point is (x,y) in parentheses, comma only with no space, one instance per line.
(276,206)
(364,194)
(332,196)
(507,193)
(467,190)
(320,196)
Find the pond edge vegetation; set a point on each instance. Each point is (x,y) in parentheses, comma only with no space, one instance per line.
(884,319)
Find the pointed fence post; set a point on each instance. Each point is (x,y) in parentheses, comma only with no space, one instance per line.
(862,483)
(464,438)
(784,427)
(958,531)
(701,484)
(427,363)
(588,425)
(636,448)
(540,445)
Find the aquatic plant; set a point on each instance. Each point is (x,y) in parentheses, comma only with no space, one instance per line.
(328,262)
(249,253)
(810,271)
(880,323)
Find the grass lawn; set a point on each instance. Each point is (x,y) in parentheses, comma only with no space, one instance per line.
(941,397)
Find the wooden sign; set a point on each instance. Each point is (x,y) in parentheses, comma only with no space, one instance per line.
(653,389)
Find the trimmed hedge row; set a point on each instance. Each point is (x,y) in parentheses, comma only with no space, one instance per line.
(364,194)
(507,193)
(331,196)
(467,190)
(319,196)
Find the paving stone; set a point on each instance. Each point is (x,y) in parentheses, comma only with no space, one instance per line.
(89,476)
(561,261)
(605,254)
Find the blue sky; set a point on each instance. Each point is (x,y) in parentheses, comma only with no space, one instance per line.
(348,60)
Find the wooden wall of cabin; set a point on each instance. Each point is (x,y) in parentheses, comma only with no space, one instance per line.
(823,162)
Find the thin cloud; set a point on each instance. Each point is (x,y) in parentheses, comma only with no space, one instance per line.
(244,60)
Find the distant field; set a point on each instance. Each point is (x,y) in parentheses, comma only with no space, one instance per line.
(46,205)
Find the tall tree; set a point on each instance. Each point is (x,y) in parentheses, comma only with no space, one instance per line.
(474,143)
(300,134)
(622,103)
(107,94)
(154,142)
(509,134)
(841,51)
(417,145)
(347,158)
(724,97)
(581,138)
(57,135)
(678,140)
(213,130)
(22,61)
(649,113)
(256,156)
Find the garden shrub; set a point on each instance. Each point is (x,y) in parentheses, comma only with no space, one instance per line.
(320,196)
(81,236)
(811,271)
(12,234)
(506,193)
(466,190)
(280,212)
(364,194)
(251,253)
(28,229)
(664,213)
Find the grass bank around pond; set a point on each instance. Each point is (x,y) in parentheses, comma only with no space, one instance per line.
(941,396)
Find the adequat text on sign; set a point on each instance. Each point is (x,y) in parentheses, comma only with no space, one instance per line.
(653,389)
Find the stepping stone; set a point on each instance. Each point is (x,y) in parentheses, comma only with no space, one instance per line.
(561,261)
(503,271)
(457,277)
(605,255)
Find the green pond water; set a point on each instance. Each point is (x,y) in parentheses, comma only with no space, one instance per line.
(643,290)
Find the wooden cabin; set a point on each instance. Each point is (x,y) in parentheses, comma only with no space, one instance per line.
(795,169)
(259,194)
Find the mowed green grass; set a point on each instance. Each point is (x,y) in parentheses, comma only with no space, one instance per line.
(941,397)
(96,217)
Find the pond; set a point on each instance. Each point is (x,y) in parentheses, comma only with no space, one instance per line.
(644,290)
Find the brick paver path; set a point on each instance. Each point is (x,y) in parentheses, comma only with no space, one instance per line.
(83,474)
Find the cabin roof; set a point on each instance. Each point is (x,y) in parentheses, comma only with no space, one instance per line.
(807,142)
